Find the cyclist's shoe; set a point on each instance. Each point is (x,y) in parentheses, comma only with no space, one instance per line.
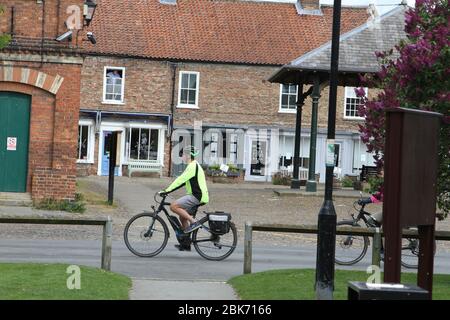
(183,248)
(193,227)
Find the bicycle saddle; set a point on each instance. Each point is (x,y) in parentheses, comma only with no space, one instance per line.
(195,208)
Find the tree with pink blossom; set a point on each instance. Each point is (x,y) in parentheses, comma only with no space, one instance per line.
(416,74)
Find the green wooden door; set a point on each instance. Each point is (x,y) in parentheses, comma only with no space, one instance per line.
(14,136)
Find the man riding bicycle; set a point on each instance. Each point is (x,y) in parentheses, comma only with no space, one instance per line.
(193,178)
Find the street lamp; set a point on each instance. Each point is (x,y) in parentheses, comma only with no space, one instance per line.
(88,11)
(326,234)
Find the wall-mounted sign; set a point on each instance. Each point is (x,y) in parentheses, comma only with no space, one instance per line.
(330,155)
(11,144)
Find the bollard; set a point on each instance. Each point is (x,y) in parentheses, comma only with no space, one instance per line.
(248,248)
(376,248)
(107,245)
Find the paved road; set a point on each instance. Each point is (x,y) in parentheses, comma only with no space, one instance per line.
(171,264)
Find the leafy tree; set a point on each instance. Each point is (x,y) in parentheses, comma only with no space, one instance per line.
(415,75)
(4,38)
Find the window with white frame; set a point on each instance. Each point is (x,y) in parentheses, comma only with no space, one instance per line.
(143,144)
(85,145)
(188,89)
(288,97)
(352,103)
(286,145)
(113,85)
(233,148)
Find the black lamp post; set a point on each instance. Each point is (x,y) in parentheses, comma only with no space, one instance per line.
(88,11)
(326,236)
(301,96)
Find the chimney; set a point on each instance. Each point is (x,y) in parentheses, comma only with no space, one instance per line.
(308,7)
(172,2)
(310,4)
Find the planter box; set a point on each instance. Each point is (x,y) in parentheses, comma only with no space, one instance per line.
(218,176)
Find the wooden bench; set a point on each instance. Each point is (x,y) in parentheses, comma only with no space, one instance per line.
(144,166)
(302,173)
(368,171)
(105,222)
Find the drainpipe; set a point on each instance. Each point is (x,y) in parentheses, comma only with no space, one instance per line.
(58,13)
(173,67)
(42,34)
(13,9)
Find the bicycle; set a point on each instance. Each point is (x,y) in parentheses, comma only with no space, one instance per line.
(351,249)
(146,234)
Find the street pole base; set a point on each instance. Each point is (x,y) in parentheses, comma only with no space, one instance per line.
(311,186)
(295,184)
(324,291)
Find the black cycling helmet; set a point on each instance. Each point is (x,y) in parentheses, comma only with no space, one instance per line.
(191,150)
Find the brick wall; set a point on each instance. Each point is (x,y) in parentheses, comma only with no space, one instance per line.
(28,17)
(228,94)
(147,85)
(53,130)
(242,95)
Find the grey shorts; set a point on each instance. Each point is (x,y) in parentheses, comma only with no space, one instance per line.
(188,203)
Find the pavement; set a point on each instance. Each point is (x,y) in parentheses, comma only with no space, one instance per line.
(157,289)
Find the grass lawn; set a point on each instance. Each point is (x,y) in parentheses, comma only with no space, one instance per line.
(298,284)
(27,281)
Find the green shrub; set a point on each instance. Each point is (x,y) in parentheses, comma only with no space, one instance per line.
(282,179)
(233,168)
(214,167)
(347,182)
(374,184)
(51,204)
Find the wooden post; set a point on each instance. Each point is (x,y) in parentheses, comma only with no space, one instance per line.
(426,258)
(410,175)
(107,245)
(248,248)
(376,248)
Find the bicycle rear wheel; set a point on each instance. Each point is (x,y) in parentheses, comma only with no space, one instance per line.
(211,246)
(146,235)
(350,249)
(410,253)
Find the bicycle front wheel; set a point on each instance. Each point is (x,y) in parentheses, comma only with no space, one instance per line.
(410,253)
(350,249)
(146,235)
(211,246)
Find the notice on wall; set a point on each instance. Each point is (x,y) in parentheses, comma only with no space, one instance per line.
(11,143)
(330,160)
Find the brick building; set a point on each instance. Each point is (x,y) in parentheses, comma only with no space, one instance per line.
(39,98)
(160,66)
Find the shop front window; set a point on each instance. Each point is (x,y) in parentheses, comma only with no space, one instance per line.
(144,144)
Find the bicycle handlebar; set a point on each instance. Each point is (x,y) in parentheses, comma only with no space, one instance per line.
(162,195)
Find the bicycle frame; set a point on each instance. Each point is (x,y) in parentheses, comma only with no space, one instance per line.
(175,227)
(362,216)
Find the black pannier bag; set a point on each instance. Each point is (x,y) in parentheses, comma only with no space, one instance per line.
(219,222)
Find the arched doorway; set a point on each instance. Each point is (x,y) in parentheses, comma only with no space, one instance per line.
(14,140)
